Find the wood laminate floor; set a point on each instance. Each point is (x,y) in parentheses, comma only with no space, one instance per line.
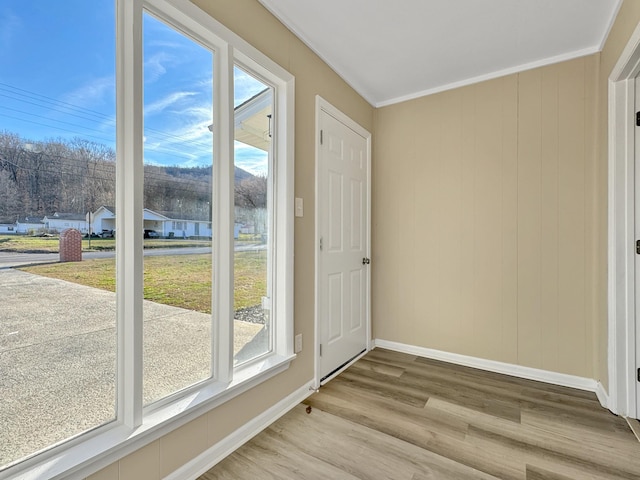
(397,416)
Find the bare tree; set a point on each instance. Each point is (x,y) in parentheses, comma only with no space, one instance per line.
(10,203)
(251,192)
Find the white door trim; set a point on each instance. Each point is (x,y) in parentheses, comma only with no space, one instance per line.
(323,105)
(621,228)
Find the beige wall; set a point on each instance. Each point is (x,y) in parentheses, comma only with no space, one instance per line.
(491,200)
(251,21)
(484,220)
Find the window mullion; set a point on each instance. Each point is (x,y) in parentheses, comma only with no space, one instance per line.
(129,206)
(283,219)
(223,214)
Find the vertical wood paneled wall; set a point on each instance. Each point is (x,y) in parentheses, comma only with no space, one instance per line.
(484,219)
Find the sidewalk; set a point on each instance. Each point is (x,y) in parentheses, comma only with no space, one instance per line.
(58,358)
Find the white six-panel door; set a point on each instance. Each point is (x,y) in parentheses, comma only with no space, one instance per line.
(343,257)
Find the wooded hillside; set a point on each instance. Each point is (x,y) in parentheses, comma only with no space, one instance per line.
(77,176)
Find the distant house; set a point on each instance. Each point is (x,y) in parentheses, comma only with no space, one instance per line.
(58,222)
(8,228)
(154,221)
(167,224)
(103,219)
(30,225)
(181,225)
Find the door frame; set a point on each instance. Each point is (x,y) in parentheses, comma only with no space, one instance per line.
(323,105)
(622,186)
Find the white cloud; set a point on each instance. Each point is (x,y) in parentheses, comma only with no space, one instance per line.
(154,66)
(163,43)
(94,92)
(182,137)
(9,24)
(165,102)
(245,86)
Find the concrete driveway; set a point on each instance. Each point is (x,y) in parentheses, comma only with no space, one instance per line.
(58,358)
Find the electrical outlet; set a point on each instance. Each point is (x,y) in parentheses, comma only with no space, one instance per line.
(298,343)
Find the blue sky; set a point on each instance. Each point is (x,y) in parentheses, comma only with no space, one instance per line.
(57,80)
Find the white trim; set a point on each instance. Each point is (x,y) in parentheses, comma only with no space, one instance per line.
(212,456)
(323,105)
(602,395)
(621,231)
(222,221)
(129,202)
(554,378)
(490,76)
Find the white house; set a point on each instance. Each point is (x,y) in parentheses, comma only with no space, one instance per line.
(58,222)
(154,221)
(183,226)
(167,224)
(30,225)
(104,218)
(8,228)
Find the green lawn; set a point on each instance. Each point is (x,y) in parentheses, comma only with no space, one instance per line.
(179,280)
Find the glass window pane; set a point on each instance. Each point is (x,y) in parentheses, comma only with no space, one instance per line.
(252,286)
(57,191)
(178,153)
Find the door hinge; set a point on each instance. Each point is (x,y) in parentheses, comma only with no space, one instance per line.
(322,140)
(638,247)
(637,119)
(639,374)
(320,349)
(320,243)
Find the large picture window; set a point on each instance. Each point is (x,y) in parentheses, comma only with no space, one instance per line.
(182,189)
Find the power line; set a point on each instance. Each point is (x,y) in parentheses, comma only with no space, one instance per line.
(166,151)
(29,93)
(51,126)
(175,183)
(67,105)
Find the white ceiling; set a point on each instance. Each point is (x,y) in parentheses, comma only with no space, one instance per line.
(394,50)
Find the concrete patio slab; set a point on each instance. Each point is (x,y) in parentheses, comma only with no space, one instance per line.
(58,358)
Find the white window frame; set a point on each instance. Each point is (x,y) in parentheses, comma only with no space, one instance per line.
(136,426)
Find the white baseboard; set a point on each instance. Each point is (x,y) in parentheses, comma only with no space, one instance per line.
(562,379)
(210,457)
(602,395)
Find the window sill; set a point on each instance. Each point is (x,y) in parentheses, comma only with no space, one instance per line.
(92,451)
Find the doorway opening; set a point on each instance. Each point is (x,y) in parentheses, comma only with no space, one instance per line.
(624,230)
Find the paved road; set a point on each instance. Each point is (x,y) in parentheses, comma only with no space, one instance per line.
(12,259)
